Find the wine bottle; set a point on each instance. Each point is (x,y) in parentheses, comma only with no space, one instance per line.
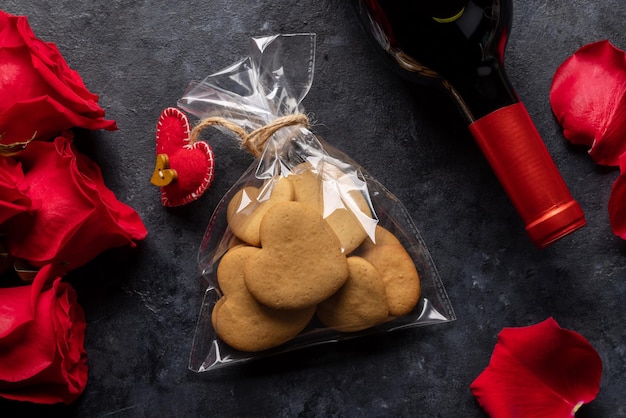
(460,45)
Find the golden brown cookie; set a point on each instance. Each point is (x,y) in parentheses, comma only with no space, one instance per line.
(402,284)
(300,262)
(249,205)
(243,323)
(360,303)
(339,211)
(230,268)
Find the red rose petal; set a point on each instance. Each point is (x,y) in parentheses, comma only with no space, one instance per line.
(17,307)
(617,201)
(30,351)
(588,98)
(44,118)
(538,371)
(13,315)
(13,198)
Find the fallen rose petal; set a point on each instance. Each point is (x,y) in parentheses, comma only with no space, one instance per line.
(617,201)
(39,89)
(541,370)
(42,360)
(79,216)
(588,98)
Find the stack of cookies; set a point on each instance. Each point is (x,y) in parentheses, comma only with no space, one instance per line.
(302,253)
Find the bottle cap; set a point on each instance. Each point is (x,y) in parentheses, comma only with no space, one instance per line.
(556,223)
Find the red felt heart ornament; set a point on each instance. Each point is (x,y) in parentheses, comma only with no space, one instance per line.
(184,169)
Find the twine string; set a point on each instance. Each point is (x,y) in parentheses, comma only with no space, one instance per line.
(254,141)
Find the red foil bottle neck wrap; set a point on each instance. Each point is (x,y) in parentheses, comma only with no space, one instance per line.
(514,149)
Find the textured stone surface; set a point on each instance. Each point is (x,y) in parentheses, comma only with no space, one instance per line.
(142,305)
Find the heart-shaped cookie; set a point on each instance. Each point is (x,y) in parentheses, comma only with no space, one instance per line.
(360,303)
(340,211)
(184,170)
(398,272)
(241,321)
(250,204)
(300,262)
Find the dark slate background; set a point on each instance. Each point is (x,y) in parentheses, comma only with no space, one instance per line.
(141,305)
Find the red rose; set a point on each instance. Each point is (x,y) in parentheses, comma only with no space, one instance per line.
(79,216)
(38,89)
(13,198)
(42,356)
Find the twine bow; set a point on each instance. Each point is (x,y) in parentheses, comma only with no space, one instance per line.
(254,141)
